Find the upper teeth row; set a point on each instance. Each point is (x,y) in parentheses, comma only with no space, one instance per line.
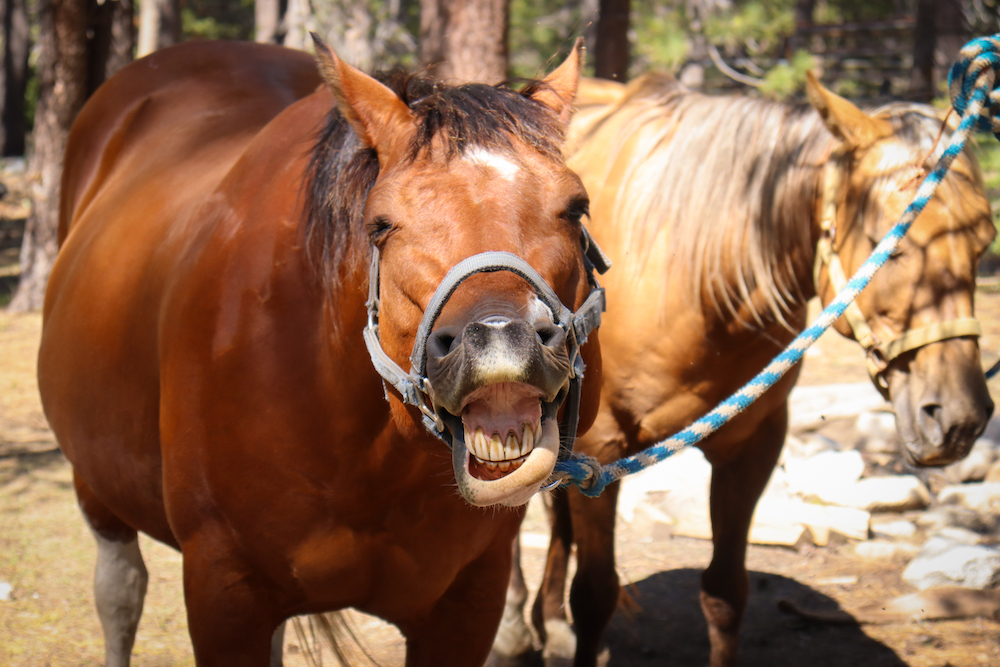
(494,449)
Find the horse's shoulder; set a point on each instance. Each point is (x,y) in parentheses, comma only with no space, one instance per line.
(182,109)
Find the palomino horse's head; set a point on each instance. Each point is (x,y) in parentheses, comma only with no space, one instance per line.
(916,317)
(462,171)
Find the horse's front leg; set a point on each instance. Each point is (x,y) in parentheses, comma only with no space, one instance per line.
(459,630)
(232,614)
(548,614)
(593,595)
(739,475)
(513,643)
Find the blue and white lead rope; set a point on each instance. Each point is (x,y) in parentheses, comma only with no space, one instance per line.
(971,84)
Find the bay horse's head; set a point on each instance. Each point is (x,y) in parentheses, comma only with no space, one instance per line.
(915,319)
(474,222)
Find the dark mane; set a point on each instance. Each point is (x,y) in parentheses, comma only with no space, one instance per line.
(342,170)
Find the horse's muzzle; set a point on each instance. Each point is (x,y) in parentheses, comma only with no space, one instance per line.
(941,401)
(497,350)
(501,381)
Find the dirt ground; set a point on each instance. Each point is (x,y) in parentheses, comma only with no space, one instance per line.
(47,557)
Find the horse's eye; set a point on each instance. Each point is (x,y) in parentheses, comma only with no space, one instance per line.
(379,227)
(576,210)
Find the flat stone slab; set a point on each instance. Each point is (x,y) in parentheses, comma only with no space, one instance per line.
(945,562)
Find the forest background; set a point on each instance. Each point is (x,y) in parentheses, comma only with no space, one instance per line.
(55,53)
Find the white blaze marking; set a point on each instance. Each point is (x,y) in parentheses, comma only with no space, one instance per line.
(484,158)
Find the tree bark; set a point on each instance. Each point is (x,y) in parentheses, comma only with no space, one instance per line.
(611,52)
(170,23)
(159,25)
(465,40)
(16,47)
(267,21)
(939,35)
(297,24)
(110,39)
(62,73)
(952,34)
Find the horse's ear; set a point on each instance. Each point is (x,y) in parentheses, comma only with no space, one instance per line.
(844,120)
(381,119)
(560,86)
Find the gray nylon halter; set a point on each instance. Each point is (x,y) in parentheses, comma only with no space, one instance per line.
(415,388)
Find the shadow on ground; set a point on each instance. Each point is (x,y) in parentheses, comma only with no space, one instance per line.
(23,467)
(666,626)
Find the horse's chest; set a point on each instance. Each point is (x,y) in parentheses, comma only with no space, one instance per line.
(401,558)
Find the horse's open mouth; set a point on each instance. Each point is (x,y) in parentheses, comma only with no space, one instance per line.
(509,446)
(502,422)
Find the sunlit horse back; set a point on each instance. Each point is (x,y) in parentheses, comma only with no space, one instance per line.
(724,216)
(202,360)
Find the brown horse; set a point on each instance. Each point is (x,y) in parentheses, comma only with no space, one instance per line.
(724,216)
(203,365)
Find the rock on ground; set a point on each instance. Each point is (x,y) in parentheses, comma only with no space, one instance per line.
(945,562)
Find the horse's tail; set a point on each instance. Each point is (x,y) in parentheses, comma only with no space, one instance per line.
(335,631)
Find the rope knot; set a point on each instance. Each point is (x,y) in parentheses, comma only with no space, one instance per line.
(973,77)
(583,471)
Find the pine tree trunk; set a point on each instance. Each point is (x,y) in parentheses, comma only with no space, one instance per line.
(170,23)
(611,54)
(110,40)
(297,24)
(940,33)
(465,40)
(122,49)
(267,21)
(62,72)
(952,34)
(16,47)
(159,25)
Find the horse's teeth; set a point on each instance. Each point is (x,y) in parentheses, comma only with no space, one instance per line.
(496,448)
(513,448)
(529,440)
(491,465)
(482,449)
(504,466)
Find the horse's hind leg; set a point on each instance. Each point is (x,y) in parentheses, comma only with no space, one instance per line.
(120,577)
(737,482)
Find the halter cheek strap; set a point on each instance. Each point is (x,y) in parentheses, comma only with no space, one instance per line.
(415,388)
(879,354)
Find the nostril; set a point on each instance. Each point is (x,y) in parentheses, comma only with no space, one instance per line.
(931,415)
(441,342)
(548,334)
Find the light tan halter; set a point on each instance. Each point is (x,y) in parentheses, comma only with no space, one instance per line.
(879,354)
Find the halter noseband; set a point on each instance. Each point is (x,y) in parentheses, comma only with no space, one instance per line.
(879,354)
(415,388)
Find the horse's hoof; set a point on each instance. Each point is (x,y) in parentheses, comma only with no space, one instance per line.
(529,658)
(560,644)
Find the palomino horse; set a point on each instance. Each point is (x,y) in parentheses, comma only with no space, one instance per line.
(203,364)
(724,216)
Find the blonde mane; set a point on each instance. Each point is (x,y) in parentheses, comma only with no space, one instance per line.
(732,181)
